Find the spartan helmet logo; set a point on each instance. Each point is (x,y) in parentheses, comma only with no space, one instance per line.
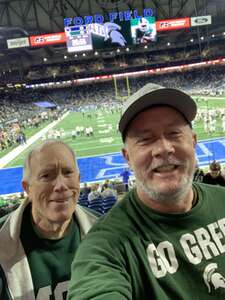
(213,279)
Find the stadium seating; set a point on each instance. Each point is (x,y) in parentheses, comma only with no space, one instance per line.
(107,203)
(96,204)
(83,200)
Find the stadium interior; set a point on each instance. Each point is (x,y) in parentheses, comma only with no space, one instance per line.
(49,91)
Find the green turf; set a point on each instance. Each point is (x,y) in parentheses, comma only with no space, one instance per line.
(108,140)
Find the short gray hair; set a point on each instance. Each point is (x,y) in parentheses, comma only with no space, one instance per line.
(39,147)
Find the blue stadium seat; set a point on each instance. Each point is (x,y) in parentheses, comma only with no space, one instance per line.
(83,200)
(96,204)
(108,202)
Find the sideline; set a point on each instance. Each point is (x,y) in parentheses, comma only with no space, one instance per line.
(15,152)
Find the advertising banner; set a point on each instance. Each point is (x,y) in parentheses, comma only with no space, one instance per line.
(201,21)
(47,39)
(18,43)
(172,24)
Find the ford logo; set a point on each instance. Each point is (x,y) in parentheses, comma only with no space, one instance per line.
(201,20)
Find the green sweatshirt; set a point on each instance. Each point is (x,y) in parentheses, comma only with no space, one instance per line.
(49,260)
(136,253)
(32,267)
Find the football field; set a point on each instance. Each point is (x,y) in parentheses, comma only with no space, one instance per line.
(99,156)
(106,138)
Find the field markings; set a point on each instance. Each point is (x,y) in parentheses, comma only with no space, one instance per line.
(107,140)
(205,150)
(104,131)
(97,147)
(18,150)
(102,125)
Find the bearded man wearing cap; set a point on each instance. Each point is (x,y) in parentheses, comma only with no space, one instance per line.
(160,240)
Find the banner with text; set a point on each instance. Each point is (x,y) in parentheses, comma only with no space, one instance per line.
(18,43)
(172,24)
(47,39)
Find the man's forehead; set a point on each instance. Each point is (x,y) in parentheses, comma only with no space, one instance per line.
(52,153)
(148,120)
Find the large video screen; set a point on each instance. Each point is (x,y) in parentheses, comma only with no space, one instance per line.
(143,30)
(78,38)
(110,34)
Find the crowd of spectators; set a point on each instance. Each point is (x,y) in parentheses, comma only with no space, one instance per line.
(101,196)
(207,80)
(18,110)
(199,81)
(110,61)
(129,61)
(9,204)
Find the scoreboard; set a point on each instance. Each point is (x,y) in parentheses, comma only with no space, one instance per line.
(109,34)
(115,33)
(78,38)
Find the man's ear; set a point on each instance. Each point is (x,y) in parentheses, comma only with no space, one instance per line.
(194,138)
(25,186)
(126,155)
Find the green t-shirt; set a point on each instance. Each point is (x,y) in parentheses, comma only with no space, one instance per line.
(49,260)
(137,253)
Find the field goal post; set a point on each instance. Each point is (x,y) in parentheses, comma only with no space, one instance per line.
(118,94)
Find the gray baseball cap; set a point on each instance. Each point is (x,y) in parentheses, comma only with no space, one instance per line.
(155,95)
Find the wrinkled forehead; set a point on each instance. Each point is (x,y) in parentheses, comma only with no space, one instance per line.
(52,154)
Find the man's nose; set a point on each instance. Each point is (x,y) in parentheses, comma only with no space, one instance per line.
(60,183)
(162,147)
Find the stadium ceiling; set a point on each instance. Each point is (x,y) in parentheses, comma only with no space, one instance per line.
(19,18)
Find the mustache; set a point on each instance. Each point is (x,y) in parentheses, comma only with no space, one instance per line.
(164,162)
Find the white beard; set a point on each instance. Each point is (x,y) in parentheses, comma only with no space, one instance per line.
(172,195)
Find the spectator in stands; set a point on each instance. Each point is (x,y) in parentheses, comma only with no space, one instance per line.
(214,176)
(107,184)
(6,209)
(95,192)
(165,228)
(125,174)
(85,190)
(198,174)
(38,240)
(108,190)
